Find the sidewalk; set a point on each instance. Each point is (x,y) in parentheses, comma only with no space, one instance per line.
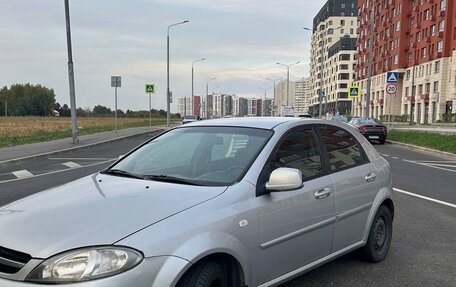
(21,152)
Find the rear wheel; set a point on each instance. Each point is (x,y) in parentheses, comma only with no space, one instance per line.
(380,234)
(204,274)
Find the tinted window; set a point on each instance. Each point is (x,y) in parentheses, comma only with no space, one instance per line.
(298,150)
(343,149)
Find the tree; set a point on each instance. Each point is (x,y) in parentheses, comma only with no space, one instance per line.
(101,110)
(28,99)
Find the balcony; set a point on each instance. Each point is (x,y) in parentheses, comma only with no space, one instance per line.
(425,97)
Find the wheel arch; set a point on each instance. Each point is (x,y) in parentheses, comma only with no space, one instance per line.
(228,262)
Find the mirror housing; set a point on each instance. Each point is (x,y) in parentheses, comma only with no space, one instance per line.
(284,179)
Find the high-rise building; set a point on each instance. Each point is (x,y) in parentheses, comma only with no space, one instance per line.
(332,56)
(282,99)
(416,38)
(302,95)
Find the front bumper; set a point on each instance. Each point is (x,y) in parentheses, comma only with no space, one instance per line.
(152,272)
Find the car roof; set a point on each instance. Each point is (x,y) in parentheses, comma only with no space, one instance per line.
(253,122)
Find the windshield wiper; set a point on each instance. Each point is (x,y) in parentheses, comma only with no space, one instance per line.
(172,179)
(119,172)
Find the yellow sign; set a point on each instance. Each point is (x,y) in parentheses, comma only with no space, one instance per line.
(353,91)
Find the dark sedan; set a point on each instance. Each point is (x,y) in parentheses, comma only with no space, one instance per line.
(372,129)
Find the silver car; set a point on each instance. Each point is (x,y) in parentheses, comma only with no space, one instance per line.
(226,202)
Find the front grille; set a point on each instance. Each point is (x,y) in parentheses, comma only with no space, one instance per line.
(12,261)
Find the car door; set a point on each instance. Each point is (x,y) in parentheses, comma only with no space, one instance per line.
(297,225)
(356,184)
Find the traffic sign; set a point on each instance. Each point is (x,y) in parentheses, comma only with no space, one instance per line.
(353,91)
(391,89)
(150,88)
(392,77)
(116,81)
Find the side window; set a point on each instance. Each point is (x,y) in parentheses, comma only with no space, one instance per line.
(298,150)
(343,149)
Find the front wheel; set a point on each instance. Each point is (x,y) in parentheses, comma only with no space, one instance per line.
(380,234)
(205,274)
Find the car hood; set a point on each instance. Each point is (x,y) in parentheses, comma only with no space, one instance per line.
(95,210)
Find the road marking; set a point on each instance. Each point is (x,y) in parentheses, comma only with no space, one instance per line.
(79,158)
(20,174)
(425,197)
(57,171)
(429,165)
(395,157)
(71,164)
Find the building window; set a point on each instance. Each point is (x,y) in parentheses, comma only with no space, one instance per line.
(432,30)
(423,52)
(436,86)
(396,59)
(437,67)
(330,22)
(342,22)
(442,25)
(407,75)
(398,25)
(439,46)
(418,36)
(442,5)
(426,14)
(342,6)
(352,31)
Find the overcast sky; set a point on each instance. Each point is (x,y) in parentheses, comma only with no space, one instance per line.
(241,40)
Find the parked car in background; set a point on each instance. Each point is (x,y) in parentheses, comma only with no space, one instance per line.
(372,129)
(341,119)
(189,119)
(226,202)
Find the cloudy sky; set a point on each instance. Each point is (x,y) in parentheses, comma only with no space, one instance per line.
(241,40)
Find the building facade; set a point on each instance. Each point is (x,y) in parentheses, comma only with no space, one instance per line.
(302,95)
(332,56)
(416,38)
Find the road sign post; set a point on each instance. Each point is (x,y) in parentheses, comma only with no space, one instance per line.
(115,82)
(392,77)
(150,89)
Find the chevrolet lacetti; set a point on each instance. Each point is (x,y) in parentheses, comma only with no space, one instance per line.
(225,202)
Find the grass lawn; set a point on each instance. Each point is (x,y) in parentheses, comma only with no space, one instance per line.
(24,130)
(431,140)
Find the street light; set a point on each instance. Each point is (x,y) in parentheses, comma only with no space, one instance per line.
(274,85)
(288,77)
(193,94)
(207,93)
(167,72)
(264,103)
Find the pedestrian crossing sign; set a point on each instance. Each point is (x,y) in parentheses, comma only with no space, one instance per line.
(353,91)
(150,88)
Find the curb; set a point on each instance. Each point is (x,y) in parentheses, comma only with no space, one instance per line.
(415,147)
(76,148)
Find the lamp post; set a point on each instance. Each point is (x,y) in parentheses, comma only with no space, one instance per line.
(288,77)
(264,103)
(207,94)
(193,94)
(274,84)
(167,72)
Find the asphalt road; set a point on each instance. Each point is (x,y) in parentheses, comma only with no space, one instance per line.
(423,251)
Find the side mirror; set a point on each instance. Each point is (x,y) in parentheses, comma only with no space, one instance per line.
(284,179)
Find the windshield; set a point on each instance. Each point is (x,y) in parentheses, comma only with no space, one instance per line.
(197,155)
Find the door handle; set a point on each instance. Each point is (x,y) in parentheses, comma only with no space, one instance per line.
(370,177)
(323,193)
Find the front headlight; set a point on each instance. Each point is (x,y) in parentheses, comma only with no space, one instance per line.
(85,264)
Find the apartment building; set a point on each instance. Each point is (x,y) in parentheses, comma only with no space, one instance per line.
(417,38)
(332,56)
(302,95)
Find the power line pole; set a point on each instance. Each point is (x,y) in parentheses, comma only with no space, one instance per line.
(74,126)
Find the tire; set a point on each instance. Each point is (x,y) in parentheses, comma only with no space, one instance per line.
(380,234)
(204,274)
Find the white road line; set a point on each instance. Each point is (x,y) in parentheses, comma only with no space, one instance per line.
(395,157)
(71,164)
(382,154)
(57,171)
(437,161)
(79,158)
(425,197)
(429,165)
(442,165)
(22,174)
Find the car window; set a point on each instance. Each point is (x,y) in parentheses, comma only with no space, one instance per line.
(205,155)
(299,150)
(343,149)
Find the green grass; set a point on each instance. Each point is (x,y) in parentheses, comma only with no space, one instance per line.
(424,139)
(8,141)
